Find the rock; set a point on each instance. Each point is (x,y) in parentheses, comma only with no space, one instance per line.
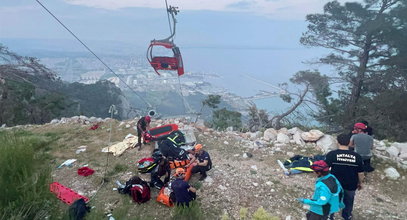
(290,154)
(269,183)
(280,145)
(288,217)
(229,129)
(247,155)
(255,184)
(401,146)
(294,130)
(270,134)
(225,142)
(221,187)
(93,119)
(128,126)
(54,121)
(253,167)
(283,138)
(83,118)
(209,180)
(254,135)
(99,120)
(403,156)
(392,173)
(393,151)
(312,135)
(64,120)
(327,143)
(283,131)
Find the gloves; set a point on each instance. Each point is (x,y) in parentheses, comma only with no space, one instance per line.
(301,200)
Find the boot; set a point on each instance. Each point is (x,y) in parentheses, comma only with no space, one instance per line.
(203,176)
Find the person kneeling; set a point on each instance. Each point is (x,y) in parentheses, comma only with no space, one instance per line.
(184,193)
(201,163)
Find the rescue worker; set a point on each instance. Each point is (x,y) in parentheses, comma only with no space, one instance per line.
(162,168)
(363,145)
(201,163)
(143,125)
(183,192)
(347,167)
(327,198)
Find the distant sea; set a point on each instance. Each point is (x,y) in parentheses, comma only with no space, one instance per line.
(246,71)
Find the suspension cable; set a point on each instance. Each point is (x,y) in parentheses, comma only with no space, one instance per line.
(94,54)
(168,16)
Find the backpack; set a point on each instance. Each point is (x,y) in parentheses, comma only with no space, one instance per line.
(78,210)
(130,183)
(140,193)
(146,165)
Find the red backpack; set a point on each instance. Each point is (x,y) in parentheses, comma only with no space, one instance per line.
(140,193)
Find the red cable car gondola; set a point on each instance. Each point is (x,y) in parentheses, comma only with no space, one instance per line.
(173,63)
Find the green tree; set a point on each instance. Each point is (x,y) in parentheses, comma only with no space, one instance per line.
(354,33)
(224,118)
(314,91)
(212,101)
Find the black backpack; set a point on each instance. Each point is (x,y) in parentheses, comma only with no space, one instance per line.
(78,210)
(129,184)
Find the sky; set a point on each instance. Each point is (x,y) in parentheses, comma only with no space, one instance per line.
(259,38)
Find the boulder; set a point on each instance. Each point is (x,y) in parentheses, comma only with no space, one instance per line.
(401,146)
(283,138)
(393,151)
(93,119)
(54,121)
(294,130)
(297,138)
(327,143)
(254,135)
(392,173)
(312,135)
(283,130)
(270,134)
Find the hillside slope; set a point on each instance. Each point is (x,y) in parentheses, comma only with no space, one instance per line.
(245,174)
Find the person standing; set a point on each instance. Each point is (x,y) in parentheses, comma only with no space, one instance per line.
(184,193)
(143,125)
(363,144)
(347,166)
(327,198)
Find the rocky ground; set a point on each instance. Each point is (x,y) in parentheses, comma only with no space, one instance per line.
(245,173)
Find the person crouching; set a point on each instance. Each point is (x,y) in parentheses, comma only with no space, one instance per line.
(201,163)
(184,193)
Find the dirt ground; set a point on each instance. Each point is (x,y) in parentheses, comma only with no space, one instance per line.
(235,182)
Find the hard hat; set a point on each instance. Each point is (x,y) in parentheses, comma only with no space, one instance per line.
(319,166)
(179,171)
(198,147)
(359,126)
(148,118)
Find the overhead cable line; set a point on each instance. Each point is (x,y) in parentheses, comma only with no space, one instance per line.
(94,54)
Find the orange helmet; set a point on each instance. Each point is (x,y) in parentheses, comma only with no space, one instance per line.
(179,171)
(198,147)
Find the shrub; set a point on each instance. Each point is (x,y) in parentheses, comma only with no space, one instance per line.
(24,177)
(186,213)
